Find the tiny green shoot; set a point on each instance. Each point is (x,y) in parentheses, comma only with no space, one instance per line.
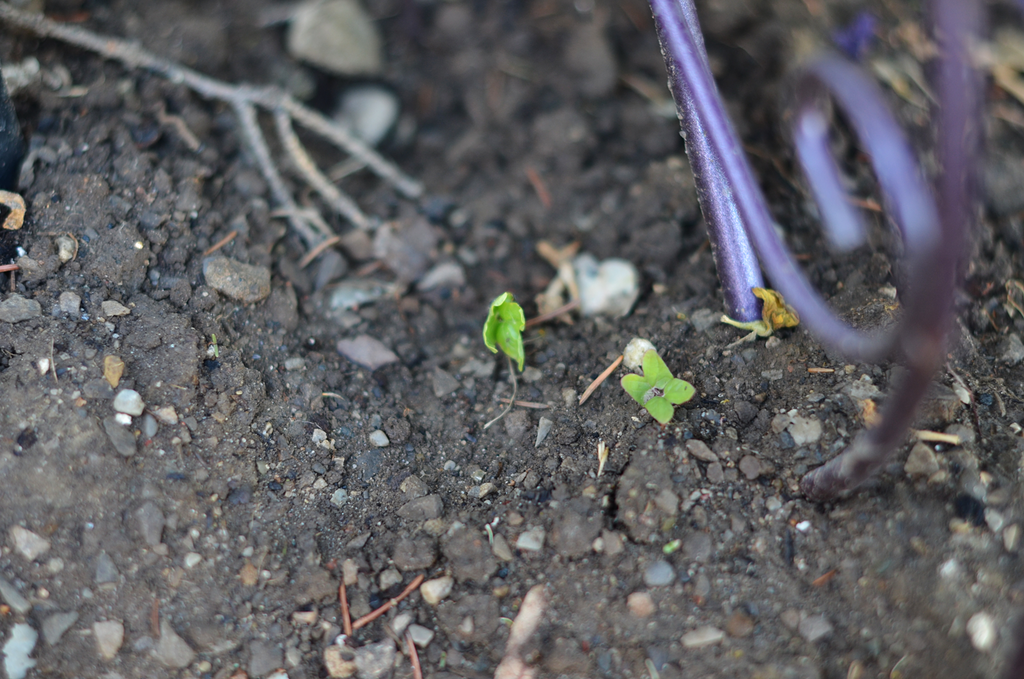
(213,350)
(657,390)
(504,328)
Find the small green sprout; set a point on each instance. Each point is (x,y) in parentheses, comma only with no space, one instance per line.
(504,327)
(657,390)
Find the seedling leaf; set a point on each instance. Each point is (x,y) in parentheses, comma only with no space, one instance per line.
(656,373)
(657,390)
(660,409)
(636,386)
(678,391)
(504,326)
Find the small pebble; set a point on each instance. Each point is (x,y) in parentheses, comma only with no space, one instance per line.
(111,308)
(444,383)
(56,625)
(380,439)
(640,605)
(149,426)
(703,636)
(500,548)
(339,497)
(609,288)
(339,662)
(18,649)
(129,401)
(109,636)
(815,627)
(659,573)
(243,282)
(67,248)
(701,451)
(337,36)
(750,467)
(543,429)
(739,625)
(367,352)
(805,430)
(1011,537)
(14,599)
(369,111)
(421,636)
(106,570)
(294,363)
(921,462)
(531,540)
(434,591)
(16,309)
(374,661)
(70,303)
(28,544)
(172,650)
(192,560)
(633,356)
(151,523)
(981,629)
(444,275)
(389,578)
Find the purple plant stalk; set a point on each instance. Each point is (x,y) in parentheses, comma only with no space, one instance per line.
(933,238)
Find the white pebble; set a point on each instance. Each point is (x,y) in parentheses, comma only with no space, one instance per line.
(17,650)
(531,540)
(129,401)
(703,636)
(192,560)
(981,628)
(28,544)
(633,356)
(433,591)
(380,439)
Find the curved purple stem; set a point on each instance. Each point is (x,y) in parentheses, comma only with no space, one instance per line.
(691,85)
(933,239)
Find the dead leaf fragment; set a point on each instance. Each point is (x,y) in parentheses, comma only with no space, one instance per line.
(113,368)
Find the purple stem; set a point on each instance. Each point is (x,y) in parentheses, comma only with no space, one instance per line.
(691,82)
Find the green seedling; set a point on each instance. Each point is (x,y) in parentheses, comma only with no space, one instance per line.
(504,328)
(657,390)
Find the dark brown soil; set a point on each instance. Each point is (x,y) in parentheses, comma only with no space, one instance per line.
(884,583)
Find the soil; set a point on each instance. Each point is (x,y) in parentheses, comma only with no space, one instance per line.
(217,533)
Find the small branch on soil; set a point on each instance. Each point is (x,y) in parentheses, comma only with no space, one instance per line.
(370,617)
(245,100)
(526,404)
(221,243)
(414,657)
(543,318)
(600,378)
(346,617)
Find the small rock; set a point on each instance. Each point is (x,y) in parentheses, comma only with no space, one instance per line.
(56,625)
(815,627)
(805,430)
(109,636)
(701,451)
(445,274)
(389,577)
(374,661)
(444,383)
(543,429)
(715,474)
(380,439)
(421,636)
(172,650)
(70,303)
(611,542)
(243,282)
(659,573)
(500,548)
(1011,537)
(1011,350)
(264,658)
(415,553)
(369,111)
(739,625)
(434,591)
(16,309)
(111,308)
(339,662)
(28,544)
(703,636)
(697,547)
(151,523)
(10,594)
(921,461)
(532,375)
(106,571)
(367,352)
(113,368)
(422,508)
(337,36)
(531,540)
(18,649)
(610,287)
(981,629)
(354,293)
(122,439)
(129,401)
(294,363)
(339,497)
(640,605)
(633,356)
(192,559)
(750,467)
(413,487)
(67,248)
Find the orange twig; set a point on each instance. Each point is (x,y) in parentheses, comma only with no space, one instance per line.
(527,404)
(822,579)
(370,617)
(8,267)
(315,252)
(414,657)
(821,371)
(600,378)
(346,618)
(221,243)
(552,314)
(538,186)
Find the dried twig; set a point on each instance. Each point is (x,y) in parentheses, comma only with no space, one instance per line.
(600,378)
(245,100)
(543,318)
(221,243)
(346,617)
(414,657)
(391,603)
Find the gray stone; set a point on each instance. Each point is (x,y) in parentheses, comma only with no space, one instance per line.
(445,274)
(697,547)
(805,430)
(119,435)
(369,111)
(543,429)
(422,508)
(703,636)
(113,308)
(17,650)
(30,545)
(243,282)
(264,658)
(109,635)
(500,548)
(337,36)
(659,573)
(444,383)
(106,571)
(413,487)
(56,624)
(69,302)
(367,352)
(715,473)
(1011,350)
(367,463)
(921,461)
(609,288)
(10,594)
(151,523)
(374,661)
(701,451)
(531,540)
(172,650)
(815,627)
(380,439)
(129,401)
(16,309)
(750,467)
(421,636)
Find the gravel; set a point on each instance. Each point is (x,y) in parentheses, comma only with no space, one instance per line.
(129,401)
(434,591)
(172,650)
(109,635)
(243,282)
(659,573)
(150,521)
(815,627)
(30,545)
(531,540)
(703,636)
(16,309)
(56,624)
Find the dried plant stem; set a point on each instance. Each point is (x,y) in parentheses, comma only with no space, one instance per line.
(346,617)
(370,617)
(600,379)
(245,100)
(414,657)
